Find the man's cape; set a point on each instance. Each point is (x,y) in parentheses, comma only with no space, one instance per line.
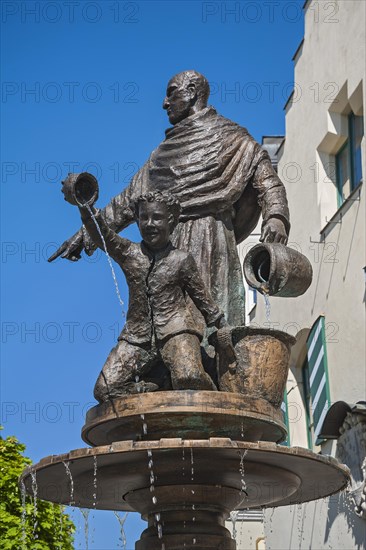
(208,162)
(215,168)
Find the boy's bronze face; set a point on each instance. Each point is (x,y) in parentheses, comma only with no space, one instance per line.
(154,224)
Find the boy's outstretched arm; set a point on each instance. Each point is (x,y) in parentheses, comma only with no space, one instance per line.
(116,246)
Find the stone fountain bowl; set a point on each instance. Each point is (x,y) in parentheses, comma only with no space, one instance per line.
(194,487)
(274,475)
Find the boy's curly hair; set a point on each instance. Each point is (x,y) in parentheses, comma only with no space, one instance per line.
(171,202)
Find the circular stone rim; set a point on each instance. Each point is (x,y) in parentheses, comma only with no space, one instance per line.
(289,454)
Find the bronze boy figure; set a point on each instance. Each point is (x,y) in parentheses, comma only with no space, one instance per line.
(159,325)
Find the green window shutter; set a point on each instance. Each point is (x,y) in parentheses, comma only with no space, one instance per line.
(305,373)
(284,409)
(317,377)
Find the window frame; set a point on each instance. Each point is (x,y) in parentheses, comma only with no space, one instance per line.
(350,146)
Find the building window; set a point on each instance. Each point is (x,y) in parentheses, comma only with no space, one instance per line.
(316,383)
(348,160)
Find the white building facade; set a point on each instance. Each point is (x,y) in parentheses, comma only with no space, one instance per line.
(322,162)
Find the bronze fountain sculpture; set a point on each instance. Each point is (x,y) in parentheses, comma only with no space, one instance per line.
(189,420)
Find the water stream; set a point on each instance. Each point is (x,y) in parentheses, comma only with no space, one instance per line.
(192,465)
(23,520)
(241,529)
(159,526)
(85,513)
(152,476)
(71,481)
(121,520)
(192,490)
(108,258)
(95,487)
(243,485)
(302,526)
(267,306)
(298,520)
(144,424)
(35,491)
(233,518)
(150,466)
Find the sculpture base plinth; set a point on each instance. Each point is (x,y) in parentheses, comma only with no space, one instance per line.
(186,414)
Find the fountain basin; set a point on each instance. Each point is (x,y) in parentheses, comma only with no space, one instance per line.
(196,484)
(274,475)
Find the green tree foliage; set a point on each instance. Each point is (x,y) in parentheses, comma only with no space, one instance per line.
(49,529)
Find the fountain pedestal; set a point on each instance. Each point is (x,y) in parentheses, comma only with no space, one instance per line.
(189,516)
(203,479)
(185,459)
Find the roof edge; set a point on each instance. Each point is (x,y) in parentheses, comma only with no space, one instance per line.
(298,50)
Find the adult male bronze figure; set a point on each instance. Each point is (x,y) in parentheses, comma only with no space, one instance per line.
(223,180)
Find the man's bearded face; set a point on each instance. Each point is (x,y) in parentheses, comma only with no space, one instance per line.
(178,100)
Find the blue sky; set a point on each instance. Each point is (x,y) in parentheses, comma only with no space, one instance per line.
(83,84)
